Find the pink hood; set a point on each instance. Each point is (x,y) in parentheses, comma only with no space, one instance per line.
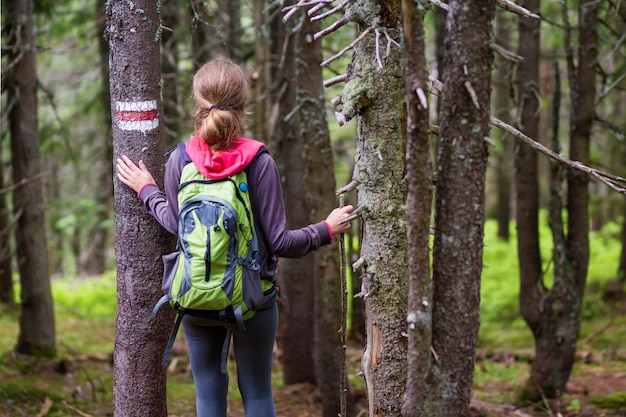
(223,163)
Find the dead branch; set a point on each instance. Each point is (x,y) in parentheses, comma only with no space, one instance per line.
(22,183)
(349,47)
(75,410)
(612,181)
(608,89)
(349,187)
(291,10)
(472,93)
(335,80)
(507,409)
(504,4)
(380,62)
(330,12)
(330,29)
(505,53)
(390,41)
(343,389)
(514,8)
(595,334)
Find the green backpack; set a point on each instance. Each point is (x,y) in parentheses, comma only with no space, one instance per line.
(215,271)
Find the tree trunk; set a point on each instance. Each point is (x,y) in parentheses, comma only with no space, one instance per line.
(374,93)
(95,261)
(501,106)
(532,288)
(460,198)
(170,13)
(6,271)
(421,368)
(297,281)
(215,30)
(201,43)
(139,377)
(320,200)
(558,312)
(262,76)
(37,333)
(621,270)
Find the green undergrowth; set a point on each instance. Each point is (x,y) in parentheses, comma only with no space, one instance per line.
(81,376)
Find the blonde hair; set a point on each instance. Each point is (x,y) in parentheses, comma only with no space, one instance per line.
(220,91)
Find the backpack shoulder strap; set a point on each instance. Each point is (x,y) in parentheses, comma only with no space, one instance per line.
(182,148)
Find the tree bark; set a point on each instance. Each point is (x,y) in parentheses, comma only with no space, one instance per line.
(501,110)
(37,333)
(320,200)
(6,270)
(557,312)
(460,198)
(95,261)
(374,93)
(532,288)
(297,282)
(170,13)
(421,371)
(621,269)
(139,377)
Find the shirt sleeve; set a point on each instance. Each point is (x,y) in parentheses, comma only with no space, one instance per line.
(269,210)
(164,206)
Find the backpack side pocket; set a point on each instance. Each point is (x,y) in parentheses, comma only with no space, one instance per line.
(253,296)
(170,267)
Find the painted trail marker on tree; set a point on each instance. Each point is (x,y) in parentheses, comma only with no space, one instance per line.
(137,115)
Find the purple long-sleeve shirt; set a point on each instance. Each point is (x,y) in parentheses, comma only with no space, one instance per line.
(268,207)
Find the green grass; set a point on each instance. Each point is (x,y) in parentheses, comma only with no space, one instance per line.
(501,324)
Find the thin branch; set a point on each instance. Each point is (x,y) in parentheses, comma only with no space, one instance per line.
(343,389)
(612,181)
(330,29)
(349,187)
(472,93)
(330,12)
(22,183)
(608,89)
(380,62)
(505,53)
(514,8)
(316,8)
(335,80)
(349,47)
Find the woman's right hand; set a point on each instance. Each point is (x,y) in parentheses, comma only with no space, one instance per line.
(337,215)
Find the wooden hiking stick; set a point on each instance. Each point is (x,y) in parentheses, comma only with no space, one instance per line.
(343,389)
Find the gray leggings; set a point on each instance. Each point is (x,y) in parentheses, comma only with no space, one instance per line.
(253,354)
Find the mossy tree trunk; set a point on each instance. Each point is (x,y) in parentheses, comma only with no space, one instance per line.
(374,94)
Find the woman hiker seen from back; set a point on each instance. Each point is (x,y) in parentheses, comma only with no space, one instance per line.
(220,91)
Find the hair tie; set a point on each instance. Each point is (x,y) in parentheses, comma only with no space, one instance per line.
(216,106)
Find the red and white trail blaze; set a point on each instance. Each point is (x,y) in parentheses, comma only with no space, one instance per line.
(137,115)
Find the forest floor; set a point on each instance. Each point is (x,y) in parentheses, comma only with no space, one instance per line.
(82,386)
